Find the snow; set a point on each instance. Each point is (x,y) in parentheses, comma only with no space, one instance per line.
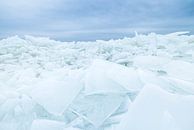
(138,83)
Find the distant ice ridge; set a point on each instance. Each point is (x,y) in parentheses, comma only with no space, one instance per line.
(140,83)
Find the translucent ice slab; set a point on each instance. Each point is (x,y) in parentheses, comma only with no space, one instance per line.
(56,96)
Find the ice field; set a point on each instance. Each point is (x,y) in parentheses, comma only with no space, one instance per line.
(141,83)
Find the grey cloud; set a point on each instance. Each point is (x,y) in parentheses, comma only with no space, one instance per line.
(91,19)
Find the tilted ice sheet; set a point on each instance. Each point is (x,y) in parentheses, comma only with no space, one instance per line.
(156,109)
(56,96)
(105,76)
(97,108)
(150,62)
(181,70)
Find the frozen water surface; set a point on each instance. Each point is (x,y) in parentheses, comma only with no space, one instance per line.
(144,82)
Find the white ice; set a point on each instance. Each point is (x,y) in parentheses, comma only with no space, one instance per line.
(141,83)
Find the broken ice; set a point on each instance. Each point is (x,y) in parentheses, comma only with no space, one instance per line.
(127,84)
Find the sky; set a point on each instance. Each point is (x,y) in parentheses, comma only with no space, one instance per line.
(74,20)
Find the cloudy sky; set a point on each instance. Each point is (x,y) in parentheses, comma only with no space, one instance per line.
(94,19)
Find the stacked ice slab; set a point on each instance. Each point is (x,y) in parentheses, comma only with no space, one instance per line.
(50,85)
